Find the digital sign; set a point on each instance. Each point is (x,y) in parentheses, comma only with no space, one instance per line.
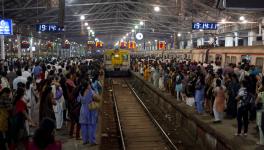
(49,28)
(244,4)
(204,26)
(6,27)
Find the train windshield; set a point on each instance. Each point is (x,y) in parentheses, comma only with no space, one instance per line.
(125,57)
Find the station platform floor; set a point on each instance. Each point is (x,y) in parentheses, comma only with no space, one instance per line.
(73,144)
(226,129)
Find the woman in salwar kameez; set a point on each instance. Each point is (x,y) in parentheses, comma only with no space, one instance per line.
(85,97)
(88,118)
(199,94)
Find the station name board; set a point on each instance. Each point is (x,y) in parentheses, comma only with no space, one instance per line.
(6,27)
(49,28)
(204,26)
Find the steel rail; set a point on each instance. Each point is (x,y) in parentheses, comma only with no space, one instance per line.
(118,117)
(172,145)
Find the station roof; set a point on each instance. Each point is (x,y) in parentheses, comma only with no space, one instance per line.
(114,18)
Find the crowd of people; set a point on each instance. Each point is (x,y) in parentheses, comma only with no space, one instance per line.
(232,91)
(38,97)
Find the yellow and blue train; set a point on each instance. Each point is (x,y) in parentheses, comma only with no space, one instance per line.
(117,62)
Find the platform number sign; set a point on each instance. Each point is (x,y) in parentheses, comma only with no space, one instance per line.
(49,28)
(6,27)
(204,26)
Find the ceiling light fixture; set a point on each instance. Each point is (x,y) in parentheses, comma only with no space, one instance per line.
(86,24)
(82,17)
(157,8)
(223,20)
(141,23)
(242,18)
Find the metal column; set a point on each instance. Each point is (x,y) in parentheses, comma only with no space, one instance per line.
(2,47)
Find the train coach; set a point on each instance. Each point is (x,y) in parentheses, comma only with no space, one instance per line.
(222,56)
(117,62)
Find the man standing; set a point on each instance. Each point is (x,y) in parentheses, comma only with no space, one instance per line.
(19,79)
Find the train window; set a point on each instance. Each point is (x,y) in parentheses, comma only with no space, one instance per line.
(246,58)
(233,59)
(227,60)
(211,58)
(125,57)
(107,57)
(259,62)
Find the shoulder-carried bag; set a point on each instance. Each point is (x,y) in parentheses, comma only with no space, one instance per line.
(95,104)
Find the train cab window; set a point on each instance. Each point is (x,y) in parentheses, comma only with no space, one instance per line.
(259,62)
(125,57)
(233,59)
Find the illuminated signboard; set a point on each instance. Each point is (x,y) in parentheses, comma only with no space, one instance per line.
(6,27)
(49,28)
(204,26)
(244,4)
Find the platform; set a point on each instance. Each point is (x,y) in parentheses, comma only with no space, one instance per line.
(216,135)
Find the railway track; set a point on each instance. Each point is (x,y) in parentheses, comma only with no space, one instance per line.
(137,128)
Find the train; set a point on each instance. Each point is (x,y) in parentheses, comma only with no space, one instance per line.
(221,56)
(117,62)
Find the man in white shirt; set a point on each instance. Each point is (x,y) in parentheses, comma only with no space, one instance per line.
(18,79)
(26,73)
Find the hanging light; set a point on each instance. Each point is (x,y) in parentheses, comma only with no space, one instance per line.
(82,17)
(141,23)
(86,24)
(179,34)
(242,18)
(133,30)
(157,8)
(136,27)
(88,28)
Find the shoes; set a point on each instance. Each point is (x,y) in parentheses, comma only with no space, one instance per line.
(78,138)
(260,144)
(237,134)
(245,134)
(217,121)
(94,144)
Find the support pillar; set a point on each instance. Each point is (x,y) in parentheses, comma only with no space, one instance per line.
(236,38)
(251,38)
(31,47)
(182,45)
(263,35)
(2,47)
(200,41)
(19,46)
(229,41)
(175,41)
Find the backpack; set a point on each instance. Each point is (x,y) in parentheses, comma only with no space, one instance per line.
(247,100)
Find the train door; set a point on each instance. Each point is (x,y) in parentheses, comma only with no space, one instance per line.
(259,63)
(218,59)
